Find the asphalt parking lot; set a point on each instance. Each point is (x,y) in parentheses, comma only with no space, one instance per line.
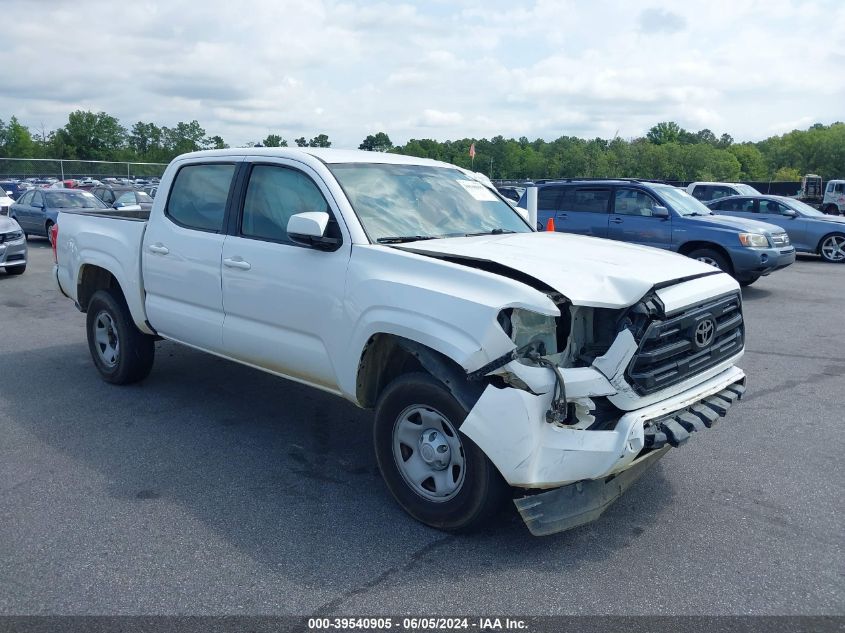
(212,488)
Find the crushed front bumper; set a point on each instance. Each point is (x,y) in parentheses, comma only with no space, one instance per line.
(582,502)
(585,464)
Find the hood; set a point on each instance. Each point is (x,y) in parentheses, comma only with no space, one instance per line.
(6,201)
(7,224)
(743,224)
(588,271)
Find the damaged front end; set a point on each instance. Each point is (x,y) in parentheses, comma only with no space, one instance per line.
(562,418)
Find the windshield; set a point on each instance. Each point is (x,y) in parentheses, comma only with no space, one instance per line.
(746,190)
(683,203)
(73,200)
(422,202)
(802,208)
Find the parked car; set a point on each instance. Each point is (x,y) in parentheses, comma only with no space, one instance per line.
(117,197)
(663,216)
(12,247)
(151,191)
(36,211)
(13,189)
(706,191)
(810,230)
(6,203)
(510,192)
(834,198)
(495,357)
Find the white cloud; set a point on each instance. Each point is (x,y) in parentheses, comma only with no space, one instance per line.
(468,68)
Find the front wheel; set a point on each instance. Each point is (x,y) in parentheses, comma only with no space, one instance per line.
(121,352)
(49,226)
(832,210)
(15,270)
(832,249)
(438,475)
(712,257)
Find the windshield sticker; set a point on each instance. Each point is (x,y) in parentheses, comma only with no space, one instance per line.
(477,190)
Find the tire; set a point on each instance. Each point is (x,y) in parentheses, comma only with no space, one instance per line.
(15,270)
(121,352)
(459,500)
(49,226)
(712,257)
(832,209)
(747,282)
(832,248)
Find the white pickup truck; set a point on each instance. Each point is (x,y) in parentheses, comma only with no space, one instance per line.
(501,362)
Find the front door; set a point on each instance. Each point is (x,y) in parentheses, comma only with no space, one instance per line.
(283,302)
(632,220)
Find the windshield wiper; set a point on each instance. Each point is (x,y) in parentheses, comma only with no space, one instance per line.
(493,232)
(404,238)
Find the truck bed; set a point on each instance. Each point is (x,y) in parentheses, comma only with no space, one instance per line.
(114,214)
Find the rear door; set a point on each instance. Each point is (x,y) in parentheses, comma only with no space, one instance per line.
(283,302)
(182,251)
(584,210)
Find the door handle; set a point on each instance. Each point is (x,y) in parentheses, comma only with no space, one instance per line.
(617,220)
(159,248)
(236,262)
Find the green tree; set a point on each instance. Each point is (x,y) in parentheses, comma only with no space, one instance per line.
(274,140)
(787,174)
(665,132)
(90,136)
(16,140)
(301,142)
(379,142)
(321,140)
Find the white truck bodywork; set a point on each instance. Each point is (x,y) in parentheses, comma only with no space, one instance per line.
(313,321)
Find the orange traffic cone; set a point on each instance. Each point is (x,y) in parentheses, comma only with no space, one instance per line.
(550,225)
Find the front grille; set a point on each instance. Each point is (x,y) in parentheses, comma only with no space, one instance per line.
(780,239)
(681,346)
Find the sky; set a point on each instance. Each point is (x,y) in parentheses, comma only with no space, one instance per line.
(442,69)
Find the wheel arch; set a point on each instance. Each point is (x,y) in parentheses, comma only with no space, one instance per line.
(694,245)
(387,356)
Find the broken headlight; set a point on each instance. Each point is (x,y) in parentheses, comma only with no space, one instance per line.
(531,330)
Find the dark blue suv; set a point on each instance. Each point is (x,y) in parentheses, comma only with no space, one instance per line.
(663,216)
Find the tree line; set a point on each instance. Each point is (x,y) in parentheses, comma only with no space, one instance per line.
(667,151)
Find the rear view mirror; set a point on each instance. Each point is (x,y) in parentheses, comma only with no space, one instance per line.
(659,212)
(309,229)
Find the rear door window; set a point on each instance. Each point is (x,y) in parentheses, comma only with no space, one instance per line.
(548,198)
(586,200)
(199,195)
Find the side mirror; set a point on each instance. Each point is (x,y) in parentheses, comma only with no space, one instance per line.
(659,212)
(791,213)
(309,229)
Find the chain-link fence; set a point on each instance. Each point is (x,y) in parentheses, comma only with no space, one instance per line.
(62,169)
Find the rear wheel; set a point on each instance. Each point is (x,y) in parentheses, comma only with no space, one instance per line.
(747,282)
(121,352)
(712,257)
(832,209)
(438,475)
(832,249)
(49,226)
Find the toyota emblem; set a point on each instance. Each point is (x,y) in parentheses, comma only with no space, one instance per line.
(704,333)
